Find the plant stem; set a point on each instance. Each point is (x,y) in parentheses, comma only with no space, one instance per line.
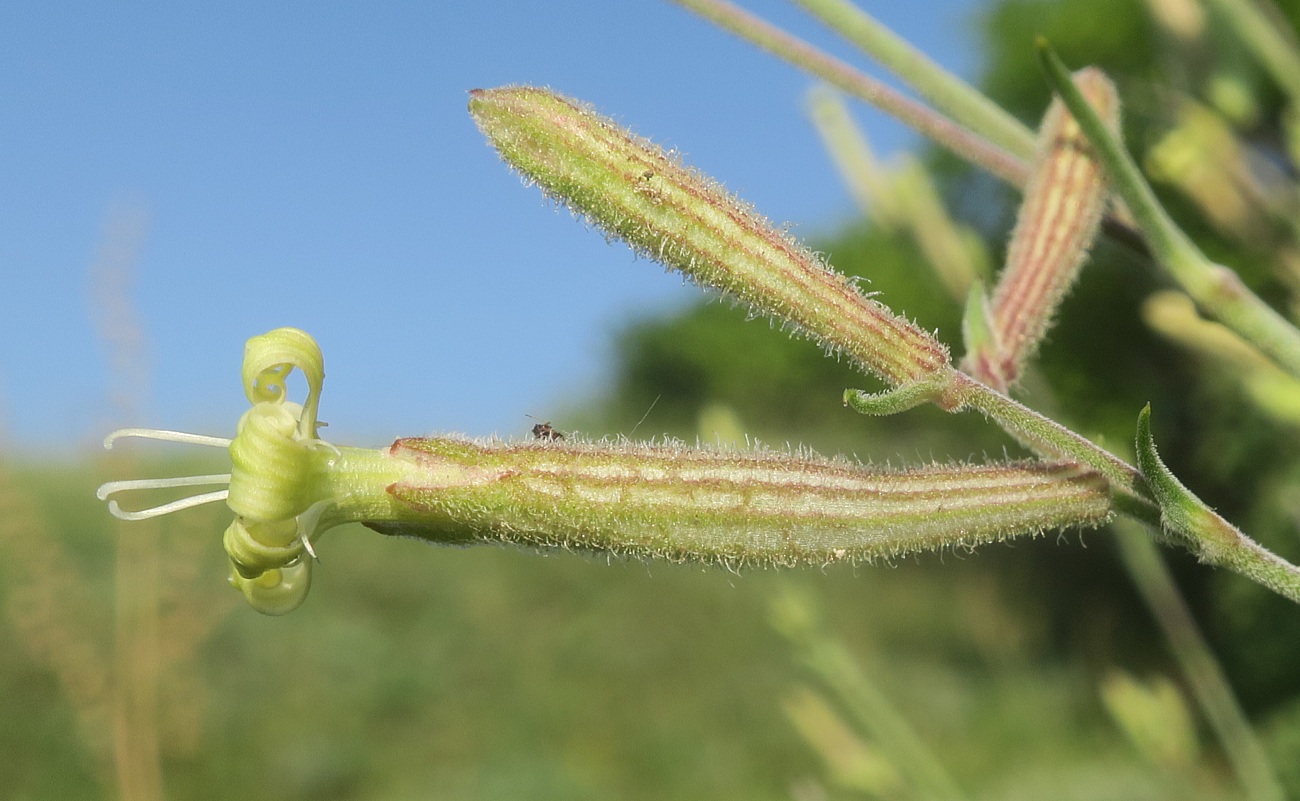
(961,141)
(955,391)
(904,197)
(796,618)
(1046,436)
(866,179)
(1266,38)
(949,94)
(1213,693)
(873,711)
(1212,539)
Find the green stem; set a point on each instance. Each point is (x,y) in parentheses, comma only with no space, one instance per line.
(828,659)
(955,391)
(862,172)
(1048,437)
(1150,574)
(1164,505)
(906,198)
(1265,38)
(1216,289)
(1197,528)
(961,141)
(949,94)
(873,711)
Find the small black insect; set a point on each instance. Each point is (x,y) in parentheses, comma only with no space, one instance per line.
(545,431)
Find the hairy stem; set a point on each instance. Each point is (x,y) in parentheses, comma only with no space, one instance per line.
(1049,438)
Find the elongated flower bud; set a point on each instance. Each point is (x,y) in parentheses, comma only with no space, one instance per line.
(673,214)
(1057,224)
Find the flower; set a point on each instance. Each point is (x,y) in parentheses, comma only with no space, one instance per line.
(279,486)
(287,486)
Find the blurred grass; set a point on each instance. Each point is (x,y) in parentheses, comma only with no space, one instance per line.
(418,672)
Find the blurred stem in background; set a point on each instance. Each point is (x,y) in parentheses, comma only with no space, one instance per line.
(795,617)
(1147,567)
(137,749)
(1261,26)
(949,94)
(56,622)
(962,141)
(903,197)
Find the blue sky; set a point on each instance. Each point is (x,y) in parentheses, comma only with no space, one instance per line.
(313,165)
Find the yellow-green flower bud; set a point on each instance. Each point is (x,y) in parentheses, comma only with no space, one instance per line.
(675,215)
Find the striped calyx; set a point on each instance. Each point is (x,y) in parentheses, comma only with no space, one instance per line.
(669,212)
(1056,225)
(674,502)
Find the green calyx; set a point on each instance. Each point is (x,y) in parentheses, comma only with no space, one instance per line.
(669,212)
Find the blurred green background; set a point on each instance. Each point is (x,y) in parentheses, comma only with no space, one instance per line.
(484,674)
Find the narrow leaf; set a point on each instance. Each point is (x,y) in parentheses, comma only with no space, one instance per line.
(1181,513)
(983,348)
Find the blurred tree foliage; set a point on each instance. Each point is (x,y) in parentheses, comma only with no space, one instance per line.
(1099,366)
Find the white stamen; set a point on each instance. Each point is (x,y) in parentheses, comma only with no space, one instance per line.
(165,436)
(113,487)
(167,508)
